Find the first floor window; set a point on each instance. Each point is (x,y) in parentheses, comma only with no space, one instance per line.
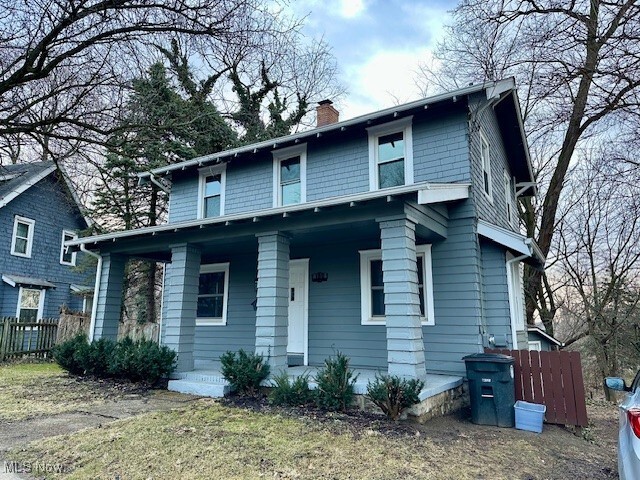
(372,286)
(213,291)
(30,305)
(67,256)
(22,240)
(516,294)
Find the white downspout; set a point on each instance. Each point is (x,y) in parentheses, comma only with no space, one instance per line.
(96,290)
(514,330)
(158,184)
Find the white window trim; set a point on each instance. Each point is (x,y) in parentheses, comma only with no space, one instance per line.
(486,166)
(204,173)
(284,154)
(213,268)
(74,235)
(510,200)
(403,125)
(516,303)
(40,302)
(537,344)
(423,252)
(32,226)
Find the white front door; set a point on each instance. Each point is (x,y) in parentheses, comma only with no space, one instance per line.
(298,294)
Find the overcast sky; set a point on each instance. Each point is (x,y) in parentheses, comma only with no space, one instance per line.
(378,45)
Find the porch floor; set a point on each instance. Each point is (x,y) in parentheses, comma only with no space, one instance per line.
(209,382)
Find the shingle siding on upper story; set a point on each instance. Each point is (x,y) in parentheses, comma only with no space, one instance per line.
(492,210)
(335,167)
(53,212)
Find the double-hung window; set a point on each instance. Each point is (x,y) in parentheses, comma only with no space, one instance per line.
(22,240)
(485,158)
(30,305)
(516,293)
(372,286)
(67,256)
(289,175)
(212,191)
(510,199)
(391,154)
(213,294)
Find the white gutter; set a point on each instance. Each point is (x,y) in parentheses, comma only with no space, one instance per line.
(96,290)
(158,184)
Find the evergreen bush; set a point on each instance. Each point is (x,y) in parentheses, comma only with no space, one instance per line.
(292,393)
(335,383)
(244,371)
(393,395)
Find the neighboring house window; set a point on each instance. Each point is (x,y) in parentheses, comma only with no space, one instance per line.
(213,293)
(485,156)
(22,240)
(212,191)
(391,154)
(87,304)
(30,304)
(67,256)
(509,199)
(535,345)
(372,286)
(516,294)
(289,175)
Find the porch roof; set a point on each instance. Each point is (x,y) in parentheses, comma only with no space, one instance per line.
(513,241)
(427,194)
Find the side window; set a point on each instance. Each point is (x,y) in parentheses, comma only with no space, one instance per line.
(212,192)
(391,154)
(289,175)
(30,304)
(372,286)
(485,157)
(516,294)
(509,199)
(213,294)
(67,256)
(22,240)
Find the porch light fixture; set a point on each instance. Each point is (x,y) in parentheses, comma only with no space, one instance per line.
(319,277)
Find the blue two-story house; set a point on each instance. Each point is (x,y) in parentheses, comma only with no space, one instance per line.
(391,237)
(39,212)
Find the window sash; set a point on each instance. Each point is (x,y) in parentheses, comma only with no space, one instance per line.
(213,296)
(486,165)
(67,256)
(212,195)
(22,237)
(30,305)
(290,182)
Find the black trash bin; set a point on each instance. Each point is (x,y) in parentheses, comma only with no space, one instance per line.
(491,388)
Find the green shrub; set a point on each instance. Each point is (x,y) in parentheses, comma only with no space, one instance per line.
(286,392)
(64,354)
(335,383)
(94,357)
(393,395)
(244,371)
(141,361)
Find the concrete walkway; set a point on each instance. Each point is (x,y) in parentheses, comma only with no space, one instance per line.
(20,433)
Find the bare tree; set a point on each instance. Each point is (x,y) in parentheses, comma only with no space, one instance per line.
(64,64)
(598,244)
(577,65)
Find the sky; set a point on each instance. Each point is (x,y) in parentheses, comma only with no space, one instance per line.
(378,45)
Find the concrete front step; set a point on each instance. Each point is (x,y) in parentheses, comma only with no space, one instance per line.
(203,388)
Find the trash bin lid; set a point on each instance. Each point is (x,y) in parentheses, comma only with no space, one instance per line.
(489,357)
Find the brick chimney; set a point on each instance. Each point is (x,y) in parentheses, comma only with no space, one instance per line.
(326,113)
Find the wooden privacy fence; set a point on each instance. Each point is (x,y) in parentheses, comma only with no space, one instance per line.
(26,338)
(553,379)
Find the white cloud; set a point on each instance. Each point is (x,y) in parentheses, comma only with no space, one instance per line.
(385,79)
(351,8)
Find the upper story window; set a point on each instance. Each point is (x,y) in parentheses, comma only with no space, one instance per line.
(213,294)
(510,199)
(212,191)
(372,286)
(485,157)
(22,239)
(67,256)
(391,154)
(289,175)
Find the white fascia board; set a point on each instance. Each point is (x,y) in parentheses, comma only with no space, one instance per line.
(26,186)
(267,212)
(511,240)
(443,193)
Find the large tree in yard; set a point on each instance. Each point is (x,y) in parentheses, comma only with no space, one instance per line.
(577,66)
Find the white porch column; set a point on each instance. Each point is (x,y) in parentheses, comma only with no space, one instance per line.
(272,309)
(109,297)
(181,305)
(405,345)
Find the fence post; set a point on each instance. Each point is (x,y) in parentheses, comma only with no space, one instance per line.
(4,339)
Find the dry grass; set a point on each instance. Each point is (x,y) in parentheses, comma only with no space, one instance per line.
(36,389)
